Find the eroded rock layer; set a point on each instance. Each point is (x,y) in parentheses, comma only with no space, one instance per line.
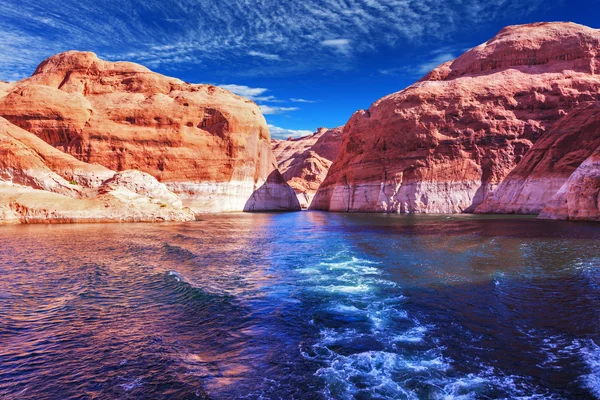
(548,165)
(445,143)
(304,162)
(209,146)
(579,197)
(40,184)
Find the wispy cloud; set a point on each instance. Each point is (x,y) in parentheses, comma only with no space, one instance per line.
(283,133)
(426,63)
(266,56)
(258,95)
(427,66)
(295,100)
(339,45)
(231,36)
(269,110)
(243,90)
(255,94)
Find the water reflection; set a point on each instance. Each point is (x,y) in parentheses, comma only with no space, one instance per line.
(301,305)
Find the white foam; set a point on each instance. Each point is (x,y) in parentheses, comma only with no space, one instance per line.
(413,335)
(590,353)
(360,288)
(332,336)
(129,386)
(344,309)
(373,368)
(176,275)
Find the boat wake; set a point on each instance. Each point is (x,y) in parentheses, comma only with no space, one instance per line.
(369,346)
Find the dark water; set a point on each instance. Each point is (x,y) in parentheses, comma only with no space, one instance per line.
(301,306)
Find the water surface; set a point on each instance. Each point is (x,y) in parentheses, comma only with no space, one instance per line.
(301,306)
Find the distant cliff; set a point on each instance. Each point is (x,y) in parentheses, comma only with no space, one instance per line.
(304,162)
(446,143)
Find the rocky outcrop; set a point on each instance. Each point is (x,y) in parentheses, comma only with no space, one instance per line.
(209,146)
(548,165)
(304,162)
(579,197)
(445,143)
(40,184)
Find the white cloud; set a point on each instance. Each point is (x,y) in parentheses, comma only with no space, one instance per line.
(427,66)
(251,93)
(295,100)
(245,91)
(267,110)
(391,71)
(435,59)
(266,56)
(340,45)
(283,133)
(257,95)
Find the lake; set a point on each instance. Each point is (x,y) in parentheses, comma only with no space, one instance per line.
(304,305)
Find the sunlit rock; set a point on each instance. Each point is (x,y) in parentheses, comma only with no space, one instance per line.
(206,144)
(446,142)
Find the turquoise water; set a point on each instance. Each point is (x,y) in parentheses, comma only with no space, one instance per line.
(302,305)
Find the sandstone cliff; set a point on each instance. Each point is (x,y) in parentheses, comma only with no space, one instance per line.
(445,143)
(549,163)
(209,146)
(304,162)
(579,197)
(40,184)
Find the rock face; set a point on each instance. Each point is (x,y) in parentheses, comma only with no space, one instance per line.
(445,143)
(40,184)
(209,146)
(549,163)
(304,162)
(579,197)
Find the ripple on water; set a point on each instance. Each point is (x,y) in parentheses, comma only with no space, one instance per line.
(222,309)
(369,346)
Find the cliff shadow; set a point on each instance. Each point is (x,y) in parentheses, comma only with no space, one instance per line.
(274,195)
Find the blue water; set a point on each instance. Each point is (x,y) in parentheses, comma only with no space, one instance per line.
(302,305)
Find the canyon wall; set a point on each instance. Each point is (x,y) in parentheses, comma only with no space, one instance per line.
(579,197)
(40,184)
(304,161)
(549,163)
(207,145)
(445,143)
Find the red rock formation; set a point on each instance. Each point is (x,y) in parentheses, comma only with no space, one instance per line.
(206,144)
(40,184)
(548,165)
(446,142)
(304,162)
(579,197)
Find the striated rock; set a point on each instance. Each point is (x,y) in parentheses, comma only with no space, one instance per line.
(40,184)
(209,146)
(29,161)
(446,142)
(304,162)
(548,165)
(579,197)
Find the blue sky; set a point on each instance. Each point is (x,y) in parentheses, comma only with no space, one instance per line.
(308,63)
